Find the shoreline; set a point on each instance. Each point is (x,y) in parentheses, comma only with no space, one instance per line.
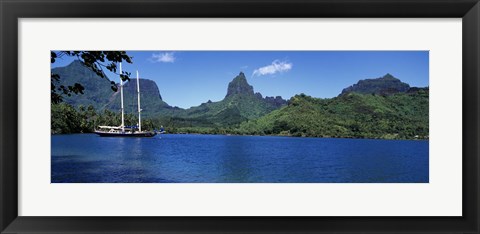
(269,135)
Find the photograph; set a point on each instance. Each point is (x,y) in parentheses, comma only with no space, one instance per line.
(240,116)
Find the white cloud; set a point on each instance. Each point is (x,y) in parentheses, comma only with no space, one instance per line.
(167,57)
(276,66)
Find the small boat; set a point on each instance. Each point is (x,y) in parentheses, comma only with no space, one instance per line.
(122,130)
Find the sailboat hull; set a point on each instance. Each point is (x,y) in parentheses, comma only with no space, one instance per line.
(126,134)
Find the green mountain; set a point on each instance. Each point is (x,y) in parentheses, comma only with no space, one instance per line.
(403,115)
(385,85)
(240,104)
(373,108)
(97,89)
(99,94)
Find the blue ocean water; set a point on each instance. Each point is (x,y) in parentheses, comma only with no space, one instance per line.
(170,158)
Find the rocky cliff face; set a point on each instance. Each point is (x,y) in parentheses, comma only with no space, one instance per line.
(277,101)
(148,88)
(151,100)
(239,85)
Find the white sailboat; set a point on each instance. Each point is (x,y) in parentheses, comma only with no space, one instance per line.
(122,130)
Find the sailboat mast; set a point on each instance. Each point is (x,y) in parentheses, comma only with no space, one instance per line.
(121,98)
(139,109)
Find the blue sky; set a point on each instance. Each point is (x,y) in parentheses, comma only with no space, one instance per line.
(189,78)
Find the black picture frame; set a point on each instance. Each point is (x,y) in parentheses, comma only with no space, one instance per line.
(11,11)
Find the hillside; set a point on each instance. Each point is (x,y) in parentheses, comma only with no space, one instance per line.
(97,89)
(99,94)
(353,115)
(384,108)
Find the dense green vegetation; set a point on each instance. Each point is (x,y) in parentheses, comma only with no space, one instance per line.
(240,104)
(398,116)
(373,108)
(231,110)
(67,119)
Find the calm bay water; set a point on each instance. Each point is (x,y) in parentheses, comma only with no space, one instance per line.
(169,158)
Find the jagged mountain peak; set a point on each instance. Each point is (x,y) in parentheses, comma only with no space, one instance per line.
(239,85)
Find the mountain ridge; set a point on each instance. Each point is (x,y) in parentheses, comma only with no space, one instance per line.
(240,102)
(385,85)
(354,115)
(99,94)
(383,107)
